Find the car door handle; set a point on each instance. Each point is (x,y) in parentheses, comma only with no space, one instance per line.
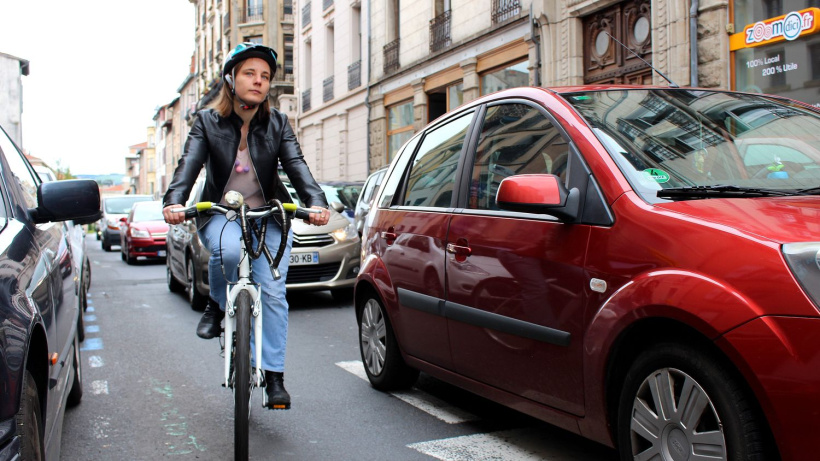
(458,250)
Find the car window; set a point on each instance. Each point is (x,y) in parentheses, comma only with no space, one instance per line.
(122,205)
(766,154)
(347,195)
(371,186)
(20,170)
(432,174)
(396,173)
(515,139)
(148,212)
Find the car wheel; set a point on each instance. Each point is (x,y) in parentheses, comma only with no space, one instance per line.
(194,296)
(87,273)
(106,245)
(173,284)
(80,319)
(76,392)
(381,357)
(678,402)
(130,260)
(30,421)
(341,295)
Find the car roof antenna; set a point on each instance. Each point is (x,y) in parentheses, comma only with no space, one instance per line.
(671,83)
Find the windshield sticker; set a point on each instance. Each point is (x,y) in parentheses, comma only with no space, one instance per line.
(659,176)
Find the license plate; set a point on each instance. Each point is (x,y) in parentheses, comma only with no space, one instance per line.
(161,253)
(301,259)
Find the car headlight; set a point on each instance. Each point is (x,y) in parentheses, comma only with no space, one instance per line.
(140,234)
(345,234)
(804,261)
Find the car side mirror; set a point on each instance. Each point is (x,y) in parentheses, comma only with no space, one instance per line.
(124,219)
(72,199)
(539,193)
(338,206)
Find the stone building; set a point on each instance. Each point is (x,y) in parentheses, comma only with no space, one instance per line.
(332,69)
(12,70)
(430,57)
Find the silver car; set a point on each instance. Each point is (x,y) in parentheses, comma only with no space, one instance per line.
(322,257)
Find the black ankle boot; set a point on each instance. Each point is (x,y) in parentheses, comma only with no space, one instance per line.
(278,397)
(210,325)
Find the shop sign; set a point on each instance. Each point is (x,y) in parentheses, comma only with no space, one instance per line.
(786,27)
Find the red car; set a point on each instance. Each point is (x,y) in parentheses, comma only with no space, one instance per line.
(143,232)
(613,260)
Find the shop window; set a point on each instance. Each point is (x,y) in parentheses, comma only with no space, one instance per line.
(443,100)
(515,75)
(399,127)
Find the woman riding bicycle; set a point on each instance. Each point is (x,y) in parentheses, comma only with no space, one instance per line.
(241,141)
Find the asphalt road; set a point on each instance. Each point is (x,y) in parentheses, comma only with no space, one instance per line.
(152,390)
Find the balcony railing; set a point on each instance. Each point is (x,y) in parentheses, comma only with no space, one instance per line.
(254,13)
(306,100)
(440,32)
(354,75)
(391,56)
(326,4)
(327,89)
(505,9)
(306,15)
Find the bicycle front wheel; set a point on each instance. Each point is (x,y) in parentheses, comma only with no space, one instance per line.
(242,375)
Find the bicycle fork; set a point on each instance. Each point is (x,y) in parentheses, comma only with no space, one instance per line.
(233,289)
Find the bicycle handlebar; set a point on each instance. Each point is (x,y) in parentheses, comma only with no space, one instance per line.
(248,215)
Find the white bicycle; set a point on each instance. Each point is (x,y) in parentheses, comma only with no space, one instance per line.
(244,303)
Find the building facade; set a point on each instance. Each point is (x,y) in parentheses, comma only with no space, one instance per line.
(428,58)
(12,70)
(332,69)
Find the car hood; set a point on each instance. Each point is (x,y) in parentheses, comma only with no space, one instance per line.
(780,219)
(154,227)
(336,221)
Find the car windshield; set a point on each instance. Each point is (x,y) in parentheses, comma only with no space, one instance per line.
(148,212)
(682,138)
(122,205)
(346,194)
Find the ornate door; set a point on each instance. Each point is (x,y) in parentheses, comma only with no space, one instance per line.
(605,61)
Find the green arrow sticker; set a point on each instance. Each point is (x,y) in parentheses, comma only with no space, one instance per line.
(659,176)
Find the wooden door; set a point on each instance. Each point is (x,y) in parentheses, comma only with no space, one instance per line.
(607,62)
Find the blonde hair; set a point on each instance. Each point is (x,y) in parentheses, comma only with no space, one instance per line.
(223,103)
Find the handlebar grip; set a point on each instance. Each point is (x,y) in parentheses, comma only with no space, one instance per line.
(301,213)
(191,213)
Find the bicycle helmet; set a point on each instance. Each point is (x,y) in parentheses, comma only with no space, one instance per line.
(247,50)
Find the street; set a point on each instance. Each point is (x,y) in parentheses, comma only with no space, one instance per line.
(152,390)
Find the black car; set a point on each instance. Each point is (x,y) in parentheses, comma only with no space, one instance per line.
(41,295)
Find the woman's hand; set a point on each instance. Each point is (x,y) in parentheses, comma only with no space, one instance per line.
(319,219)
(173,217)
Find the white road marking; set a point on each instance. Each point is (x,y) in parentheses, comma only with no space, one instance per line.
(419,399)
(511,445)
(99,387)
(95,361)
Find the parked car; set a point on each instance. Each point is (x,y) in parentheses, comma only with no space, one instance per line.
(344,192)
(371,185)
(603,259)
(187,258)
(322,257)
(143,232)
(76,232)
(115,208)
(40,312)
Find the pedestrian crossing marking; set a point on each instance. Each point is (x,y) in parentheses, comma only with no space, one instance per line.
(510,445)
(419,399)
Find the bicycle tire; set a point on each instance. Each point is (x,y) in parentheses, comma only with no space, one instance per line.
(242,374)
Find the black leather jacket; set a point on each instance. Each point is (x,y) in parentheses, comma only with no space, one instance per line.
(214,140)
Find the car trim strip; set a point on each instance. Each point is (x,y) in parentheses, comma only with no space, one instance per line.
(483,319)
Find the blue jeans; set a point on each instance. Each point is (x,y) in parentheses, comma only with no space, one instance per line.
(274,303)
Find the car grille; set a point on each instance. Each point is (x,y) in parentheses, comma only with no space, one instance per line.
(321,240)
(149,249)
(312,274)
(159,234)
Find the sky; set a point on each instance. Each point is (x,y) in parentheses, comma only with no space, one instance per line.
(99,69)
